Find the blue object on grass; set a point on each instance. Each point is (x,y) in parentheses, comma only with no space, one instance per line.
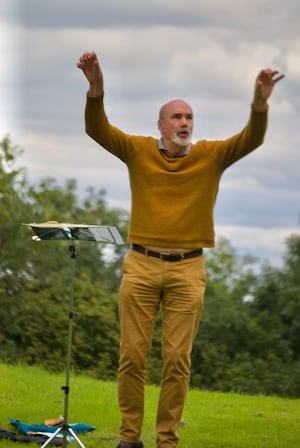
(26,428)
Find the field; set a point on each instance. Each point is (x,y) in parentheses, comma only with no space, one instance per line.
(210,420)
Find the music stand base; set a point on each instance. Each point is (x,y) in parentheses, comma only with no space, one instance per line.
(65,429)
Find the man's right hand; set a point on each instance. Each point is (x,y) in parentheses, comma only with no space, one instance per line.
(90,66)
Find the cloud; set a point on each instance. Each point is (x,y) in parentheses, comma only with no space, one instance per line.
(265,244)
(263,239)
(258,18)
(207,52)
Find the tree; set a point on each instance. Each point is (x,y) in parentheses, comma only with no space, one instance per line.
(276,310)
(35,277)
(249,336)
(225,319)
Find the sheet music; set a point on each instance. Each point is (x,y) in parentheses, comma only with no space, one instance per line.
(53,230)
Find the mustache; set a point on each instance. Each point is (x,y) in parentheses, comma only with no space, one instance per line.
(185,130)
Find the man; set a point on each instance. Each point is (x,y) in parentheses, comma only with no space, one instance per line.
(174,184)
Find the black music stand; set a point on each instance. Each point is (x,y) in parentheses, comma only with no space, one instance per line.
(53,230)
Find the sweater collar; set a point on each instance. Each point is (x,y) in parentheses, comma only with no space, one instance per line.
(163,149)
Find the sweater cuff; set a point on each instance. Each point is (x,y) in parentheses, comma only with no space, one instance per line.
(94,99)
(259,111)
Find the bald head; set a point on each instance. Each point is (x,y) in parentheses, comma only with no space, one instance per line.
(173,105)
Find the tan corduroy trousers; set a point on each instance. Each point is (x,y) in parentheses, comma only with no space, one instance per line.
(178,287)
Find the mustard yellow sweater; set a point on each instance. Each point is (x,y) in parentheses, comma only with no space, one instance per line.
(172,198)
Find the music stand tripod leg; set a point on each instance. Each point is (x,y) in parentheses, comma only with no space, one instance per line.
(52,437)
(65,429)
(74,435)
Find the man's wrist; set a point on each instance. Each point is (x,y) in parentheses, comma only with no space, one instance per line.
(259,105)
(95,90)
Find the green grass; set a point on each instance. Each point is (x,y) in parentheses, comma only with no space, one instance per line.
(211,419)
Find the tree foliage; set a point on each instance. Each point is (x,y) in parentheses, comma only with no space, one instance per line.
(249,337)
(37,279)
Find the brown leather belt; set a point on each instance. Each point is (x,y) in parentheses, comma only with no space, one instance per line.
(166,256)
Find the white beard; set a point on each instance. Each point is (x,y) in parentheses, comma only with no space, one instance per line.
(182,141)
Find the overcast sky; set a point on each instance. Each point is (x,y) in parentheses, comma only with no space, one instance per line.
(207,52)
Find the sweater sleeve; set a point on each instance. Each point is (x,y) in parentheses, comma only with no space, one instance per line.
(238,146)
(99,129)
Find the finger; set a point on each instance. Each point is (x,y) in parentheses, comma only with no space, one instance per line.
(90,56)
(87,57)
(278,78)
(82,60)
(272,74)
(266,72)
